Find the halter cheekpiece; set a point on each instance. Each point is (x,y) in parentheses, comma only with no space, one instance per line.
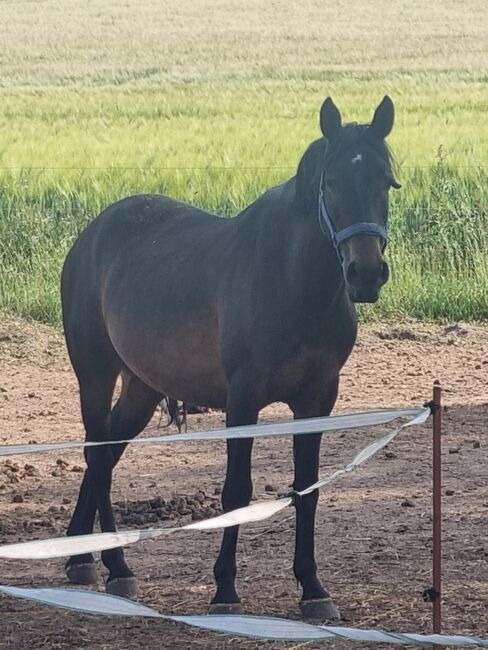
(340,236)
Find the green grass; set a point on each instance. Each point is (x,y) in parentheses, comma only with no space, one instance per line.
(214,101)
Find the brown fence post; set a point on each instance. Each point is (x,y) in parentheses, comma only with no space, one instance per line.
(437,509)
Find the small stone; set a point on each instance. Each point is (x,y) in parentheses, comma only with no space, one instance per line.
(408,504)
(31,395)
(45,523)
(30,470)
(402,529)
(390,455)
(157,502)
(61,463)
(476,444)
(197,515)
(200,496)
(18,498)
(217,491)
(477,366)
(269,488)
(163,513)
(454,450)
(77,468)
(66,500)
(57,472)
(449,493)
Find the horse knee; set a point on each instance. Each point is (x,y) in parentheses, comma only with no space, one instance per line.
(237,493)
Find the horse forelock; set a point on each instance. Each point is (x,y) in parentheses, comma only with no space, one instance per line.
(353,136)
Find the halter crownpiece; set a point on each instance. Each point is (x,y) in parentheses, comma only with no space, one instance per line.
(340,236)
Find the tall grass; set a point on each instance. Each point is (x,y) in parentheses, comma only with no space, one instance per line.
(437,252)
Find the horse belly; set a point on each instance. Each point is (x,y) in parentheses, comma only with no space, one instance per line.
(181,362)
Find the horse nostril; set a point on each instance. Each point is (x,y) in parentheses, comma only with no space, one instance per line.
(358,274)
(352,273)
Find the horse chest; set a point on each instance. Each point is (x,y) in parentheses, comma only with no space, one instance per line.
(304,368)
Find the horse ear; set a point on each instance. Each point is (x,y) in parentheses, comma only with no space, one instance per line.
(383,119)
(330,119)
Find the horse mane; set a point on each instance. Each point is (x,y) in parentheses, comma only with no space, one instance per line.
(320,151)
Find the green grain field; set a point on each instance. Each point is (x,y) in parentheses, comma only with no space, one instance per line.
(213,101)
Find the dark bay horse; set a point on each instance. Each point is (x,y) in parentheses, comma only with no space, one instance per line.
(231,314)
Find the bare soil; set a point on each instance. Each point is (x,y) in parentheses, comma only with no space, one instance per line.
(373,526)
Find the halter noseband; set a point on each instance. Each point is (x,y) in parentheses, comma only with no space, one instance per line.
(340,236)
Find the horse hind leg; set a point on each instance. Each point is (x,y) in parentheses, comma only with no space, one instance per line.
(97,374)
(129,417)
(81,569)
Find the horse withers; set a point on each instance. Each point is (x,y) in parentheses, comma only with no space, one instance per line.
(231,314)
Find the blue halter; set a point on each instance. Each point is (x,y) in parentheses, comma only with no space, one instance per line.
(338,237)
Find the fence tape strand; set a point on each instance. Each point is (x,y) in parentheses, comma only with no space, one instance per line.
(265,628)
(80,544)
(293,428)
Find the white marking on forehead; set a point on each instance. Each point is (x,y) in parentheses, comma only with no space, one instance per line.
(357,158)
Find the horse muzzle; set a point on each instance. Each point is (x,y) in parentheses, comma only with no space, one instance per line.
(364,281)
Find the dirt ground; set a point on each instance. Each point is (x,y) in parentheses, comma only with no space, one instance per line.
(373,526)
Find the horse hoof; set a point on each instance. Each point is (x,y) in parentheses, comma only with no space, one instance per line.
(320,609)
(82,573)
(225,608)
(124,587)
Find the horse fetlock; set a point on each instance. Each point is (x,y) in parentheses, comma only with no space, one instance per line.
(226,593)
(82,573)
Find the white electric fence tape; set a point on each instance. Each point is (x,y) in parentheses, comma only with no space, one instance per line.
(293,428)
(258,627)
(78,545)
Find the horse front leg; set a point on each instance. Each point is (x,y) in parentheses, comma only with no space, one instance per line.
(241,410)
(316,602)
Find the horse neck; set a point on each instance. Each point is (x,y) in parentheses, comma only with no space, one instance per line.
(290,243)
(317,263)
